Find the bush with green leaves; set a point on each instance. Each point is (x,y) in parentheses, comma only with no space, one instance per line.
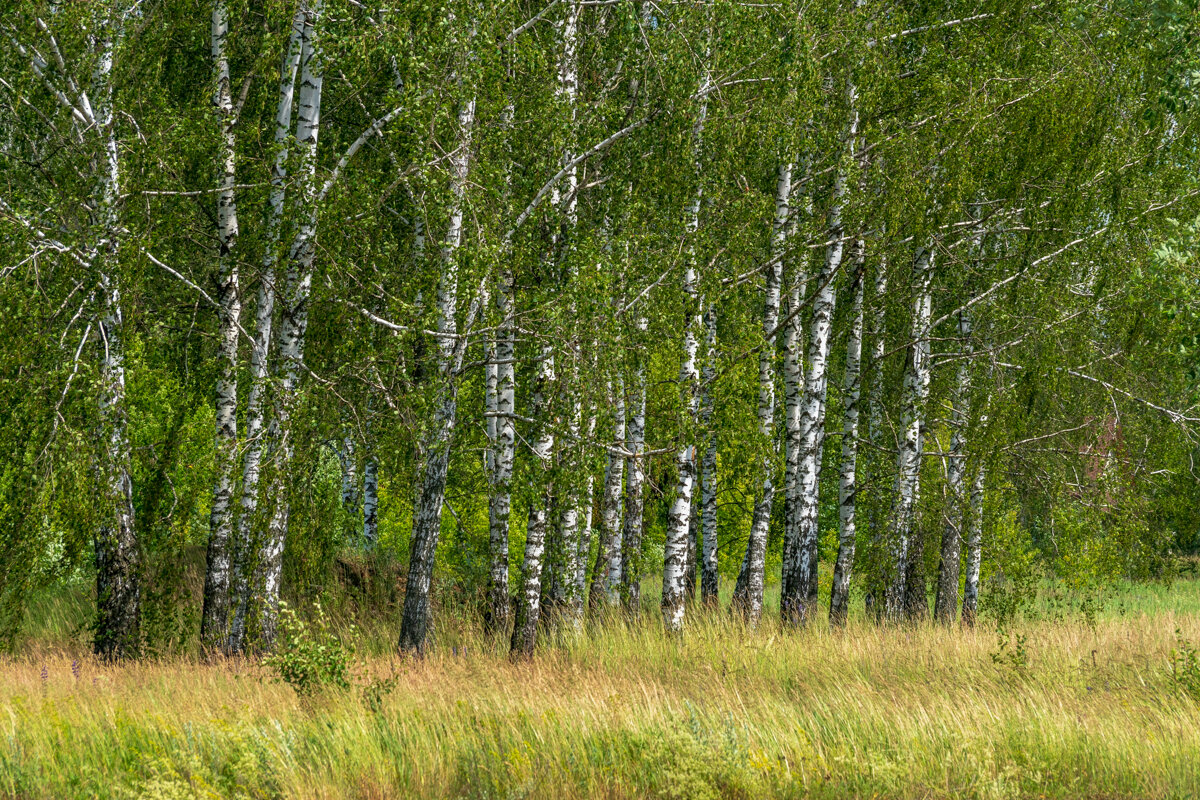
(311,657)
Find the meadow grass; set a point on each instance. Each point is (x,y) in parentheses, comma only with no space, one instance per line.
(1058,706)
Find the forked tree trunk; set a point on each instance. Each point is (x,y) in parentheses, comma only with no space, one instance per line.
(293,324)
(244,552)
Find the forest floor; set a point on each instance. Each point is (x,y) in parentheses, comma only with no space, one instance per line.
(1070,699)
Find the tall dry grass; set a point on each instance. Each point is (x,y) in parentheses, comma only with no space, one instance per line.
(1054,708)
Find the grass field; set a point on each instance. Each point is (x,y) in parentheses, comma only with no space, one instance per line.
(1059,705)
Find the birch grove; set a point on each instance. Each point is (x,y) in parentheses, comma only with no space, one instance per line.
(530,312)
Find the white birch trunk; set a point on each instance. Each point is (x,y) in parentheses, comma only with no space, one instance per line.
(839,602)
(256,405)
(610,508)
(118,589)
(908,460)
(801,596)
(793,382)
(679,519)
(748,595)
(709,575)
(214,623)
(876,332)
(970,609)
(945,607)
(631,531)
(500,503)
(428,517)
(293,322)
(370,530)
(524,637)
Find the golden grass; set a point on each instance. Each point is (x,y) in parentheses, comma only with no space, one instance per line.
(629,712)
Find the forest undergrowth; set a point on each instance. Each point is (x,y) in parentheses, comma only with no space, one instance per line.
(1070,697)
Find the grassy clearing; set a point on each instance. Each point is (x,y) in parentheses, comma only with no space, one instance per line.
(1054,707)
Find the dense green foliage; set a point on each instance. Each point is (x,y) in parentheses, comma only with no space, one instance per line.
(1046,151)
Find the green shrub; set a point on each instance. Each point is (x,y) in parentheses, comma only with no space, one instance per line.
(311,657)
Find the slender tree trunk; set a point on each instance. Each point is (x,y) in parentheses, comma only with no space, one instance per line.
(500,505)
(748,595)
(876,332)
(214,621)
(795,605)
(970,609)
(256,403)
(524,636)
(946,605)
(631,532)
(689,567)
(293,323)
(370,531)
(606,583)
(908,460)
(414,626)
(709,576)
(118,557)
(793,381)
(839,602)
(348,460)
(679,519)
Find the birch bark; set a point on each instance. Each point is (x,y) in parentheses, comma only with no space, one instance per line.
(500,504)
(748,595)
(709,576)
(256,402)
(293,322)
(839,601)
(607,583)
(118,558)
(908,460)
(876,331)
(525,626)
(415,624)
(945,607)
(631,531)
(214,622)
(679,519)
(970,608)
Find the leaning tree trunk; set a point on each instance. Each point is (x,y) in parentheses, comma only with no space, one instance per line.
(839,600)
(748,594)
(679,519)
(710,579)
(946,605)
(970,607)
(908,459)
(118,560)
(256,406)
(214,620)
(293,325)
(414,626)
